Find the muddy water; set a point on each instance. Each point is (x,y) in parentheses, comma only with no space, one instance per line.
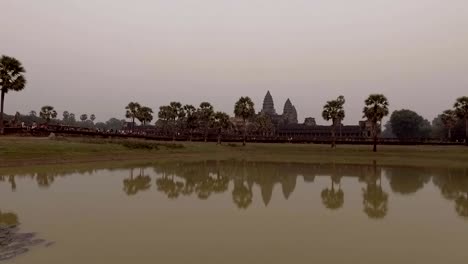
(235,212)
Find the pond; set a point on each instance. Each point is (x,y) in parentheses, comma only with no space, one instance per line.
(234,212)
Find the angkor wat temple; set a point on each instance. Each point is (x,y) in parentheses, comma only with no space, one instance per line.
(286,124)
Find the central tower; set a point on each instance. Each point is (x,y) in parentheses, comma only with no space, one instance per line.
(268,105)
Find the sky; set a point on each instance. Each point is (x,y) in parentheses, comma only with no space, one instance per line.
(95,56)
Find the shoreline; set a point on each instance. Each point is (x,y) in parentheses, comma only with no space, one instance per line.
(26,152)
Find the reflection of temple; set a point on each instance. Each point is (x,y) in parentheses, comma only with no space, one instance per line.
(287,123)
(248,182)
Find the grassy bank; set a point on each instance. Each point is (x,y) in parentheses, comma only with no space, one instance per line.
(38,151)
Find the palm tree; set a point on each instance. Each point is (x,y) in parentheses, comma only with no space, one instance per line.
(191,119)
(145,115)
(83,117)
(11,79)
(33,113)
(263,124)
(71,118)
(172,114)
(221,122)
(461,110)
(333,110)
(48,113)
(92,117)
(244,108)
(65,115)
(132,112)
(449,119)
(376,108)
(205,115)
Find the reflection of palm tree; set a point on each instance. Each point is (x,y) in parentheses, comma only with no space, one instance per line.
(8,219)
(140,183)
(241,194)
(375,200)
(461,205)
(169,186)
(331,198)
(11,180)
(44,180)
(454,188)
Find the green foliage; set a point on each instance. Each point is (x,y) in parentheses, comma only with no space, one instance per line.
(191,117)
(11,75)
(376,108)
(48,113)
(11,79)
(408,124)
(244,108)
(263,125)
(172,116)
(334,110)
(461,107)
(83,117)
(139,145)
(132,111)
(144,115)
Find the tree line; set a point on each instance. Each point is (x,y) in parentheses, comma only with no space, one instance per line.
(176,117)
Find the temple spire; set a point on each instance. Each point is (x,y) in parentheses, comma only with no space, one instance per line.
(268,105)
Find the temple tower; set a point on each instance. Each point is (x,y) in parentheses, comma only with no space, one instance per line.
(268,105)
(289,113)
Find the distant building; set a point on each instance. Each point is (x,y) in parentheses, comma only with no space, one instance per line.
(287,123)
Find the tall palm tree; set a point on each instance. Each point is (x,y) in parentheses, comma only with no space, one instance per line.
(205,115)
(132,112)
(449,119)
(92,117)
(333,110)
(221,122)
(244,108)
(376,108)
(145,115)
(461,110)
(191,119)
(83,117)
(48,113)
(172,115)
(11,79)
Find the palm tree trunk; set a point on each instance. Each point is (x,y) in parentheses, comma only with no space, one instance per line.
(466,131)
(219,138)
(375,143)
(374,129)
(333,135)
(245,132)
(190,135)
(449,134)
(2,100)
(206,133)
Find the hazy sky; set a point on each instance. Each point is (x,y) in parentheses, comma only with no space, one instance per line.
(94,56)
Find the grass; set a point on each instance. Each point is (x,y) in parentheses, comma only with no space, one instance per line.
(17,151)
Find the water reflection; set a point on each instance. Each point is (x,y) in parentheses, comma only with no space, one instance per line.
(12,242)
(454,187)
(240,179)
(133,185)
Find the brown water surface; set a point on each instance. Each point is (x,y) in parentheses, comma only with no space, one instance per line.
(237,212)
